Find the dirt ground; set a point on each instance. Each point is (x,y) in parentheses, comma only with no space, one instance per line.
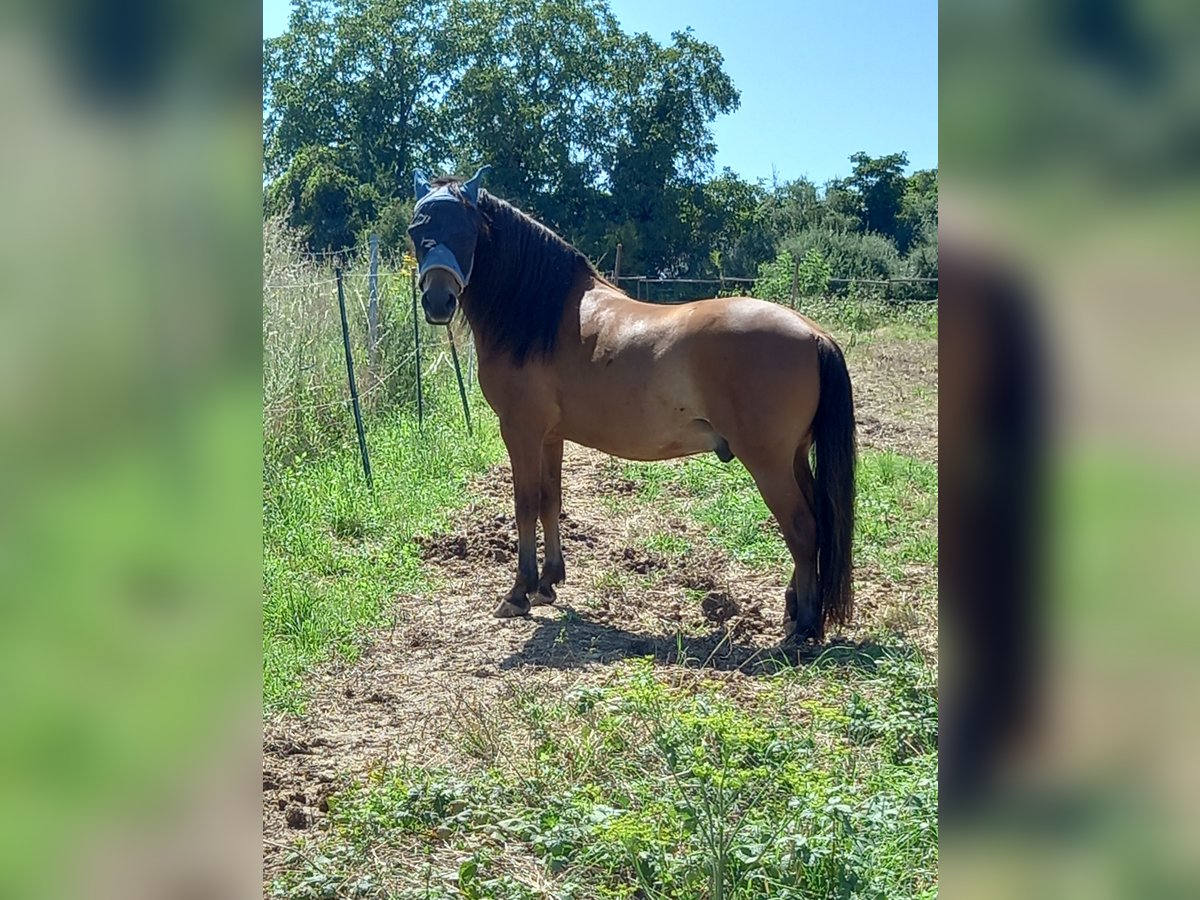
(444,660)
(895,395)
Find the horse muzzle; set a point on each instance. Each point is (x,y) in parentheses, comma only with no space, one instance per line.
(440,286)
(439,304)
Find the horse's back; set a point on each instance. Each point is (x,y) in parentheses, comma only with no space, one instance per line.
(741,368)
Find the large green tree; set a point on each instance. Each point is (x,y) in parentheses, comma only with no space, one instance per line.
(602,134)
(878,183)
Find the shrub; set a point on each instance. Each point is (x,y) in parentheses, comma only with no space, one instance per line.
(848,254)
(775,279)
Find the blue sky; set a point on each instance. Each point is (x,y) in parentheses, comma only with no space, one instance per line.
(819,80)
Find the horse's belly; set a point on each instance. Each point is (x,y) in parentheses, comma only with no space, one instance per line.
(638,430)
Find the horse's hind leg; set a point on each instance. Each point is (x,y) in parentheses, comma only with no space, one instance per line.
(525,454)
(782,490)
(554,570)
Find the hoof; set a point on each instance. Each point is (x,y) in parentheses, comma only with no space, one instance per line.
(795,638)
(510,609)
(544,596)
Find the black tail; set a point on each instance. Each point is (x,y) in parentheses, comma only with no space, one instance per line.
(836,451)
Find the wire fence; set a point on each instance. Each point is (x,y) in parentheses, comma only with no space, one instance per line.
(686,290)
(306,394)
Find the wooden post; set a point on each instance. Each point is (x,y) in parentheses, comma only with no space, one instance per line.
(795,283)
(417,348)
(617,267)
(362,437)
(373,304)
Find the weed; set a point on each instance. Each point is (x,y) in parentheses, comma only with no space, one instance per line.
(666,789)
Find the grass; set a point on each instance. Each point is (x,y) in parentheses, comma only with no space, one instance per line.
(658,785)
(865,318)
(334,557)
(896,514)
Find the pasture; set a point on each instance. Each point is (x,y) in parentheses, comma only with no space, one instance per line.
(641,738)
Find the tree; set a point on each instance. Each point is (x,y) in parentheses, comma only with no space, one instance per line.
(322,200)
(734,224)
(917,223)
(361,76)
(593,130)
(879,184)
(841,207)
(794,206)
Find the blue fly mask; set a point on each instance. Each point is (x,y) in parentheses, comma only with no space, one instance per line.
(445,226)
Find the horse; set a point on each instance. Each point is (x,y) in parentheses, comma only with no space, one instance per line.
(565,355)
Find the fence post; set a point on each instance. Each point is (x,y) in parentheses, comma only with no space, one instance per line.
(417,349)
(617,267)
(462,390)
(373,304)
(795,282)
(358,423)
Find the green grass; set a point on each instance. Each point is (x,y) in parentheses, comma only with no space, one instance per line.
(334,557)
(656,785)
(671,546)
(896,513)
(862,319)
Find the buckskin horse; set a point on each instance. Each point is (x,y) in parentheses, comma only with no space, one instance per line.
(566,355)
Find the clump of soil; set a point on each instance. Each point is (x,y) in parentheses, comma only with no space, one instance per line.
(719,607)
(641,562)
(493,538)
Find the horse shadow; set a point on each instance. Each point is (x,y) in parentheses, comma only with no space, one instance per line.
(576,640)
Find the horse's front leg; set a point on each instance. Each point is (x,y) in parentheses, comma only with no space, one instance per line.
(525,454)
(554,570)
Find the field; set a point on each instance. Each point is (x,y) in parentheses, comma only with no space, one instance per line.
(642,738)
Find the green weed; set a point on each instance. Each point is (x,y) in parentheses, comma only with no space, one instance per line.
(649,787)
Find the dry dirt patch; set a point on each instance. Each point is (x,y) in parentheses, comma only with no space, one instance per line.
(895,394)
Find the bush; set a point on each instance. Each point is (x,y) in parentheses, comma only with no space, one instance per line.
(921,262)
(813,274)
(848,254)
(775,279)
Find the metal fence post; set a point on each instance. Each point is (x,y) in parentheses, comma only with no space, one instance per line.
(373,304)
(462,390)
(417,350)
(358,422)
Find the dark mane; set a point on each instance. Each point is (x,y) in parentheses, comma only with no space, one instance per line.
(521,282)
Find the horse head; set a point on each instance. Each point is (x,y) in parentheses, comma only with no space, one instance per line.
(444,230)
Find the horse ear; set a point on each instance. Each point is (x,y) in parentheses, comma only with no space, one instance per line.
(471,188)
(420,184)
